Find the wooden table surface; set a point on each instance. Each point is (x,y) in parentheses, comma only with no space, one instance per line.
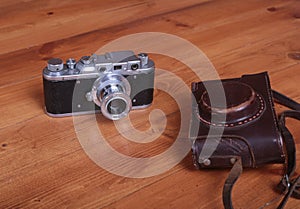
(42,164)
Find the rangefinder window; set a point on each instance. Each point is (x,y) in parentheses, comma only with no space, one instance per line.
(134,66)
(117,67)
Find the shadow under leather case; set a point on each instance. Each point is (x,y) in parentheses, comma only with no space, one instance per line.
(250,128)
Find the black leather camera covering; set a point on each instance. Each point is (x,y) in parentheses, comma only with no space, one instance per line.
(250,128)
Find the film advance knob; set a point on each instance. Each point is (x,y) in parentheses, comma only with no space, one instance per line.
(55,64)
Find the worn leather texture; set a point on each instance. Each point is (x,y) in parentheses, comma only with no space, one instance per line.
(250,129)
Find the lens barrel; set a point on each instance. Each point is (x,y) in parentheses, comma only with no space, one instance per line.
(111,93)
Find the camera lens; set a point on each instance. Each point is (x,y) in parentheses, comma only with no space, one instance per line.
(111,93)
(116,106)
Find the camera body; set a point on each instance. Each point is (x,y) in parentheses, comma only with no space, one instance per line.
(114,83)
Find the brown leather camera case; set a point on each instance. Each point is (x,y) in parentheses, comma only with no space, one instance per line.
(251,126)
(248,131)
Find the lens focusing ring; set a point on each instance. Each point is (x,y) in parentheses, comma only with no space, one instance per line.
(111,93)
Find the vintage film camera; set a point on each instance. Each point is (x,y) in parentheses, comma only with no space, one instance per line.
(114,83)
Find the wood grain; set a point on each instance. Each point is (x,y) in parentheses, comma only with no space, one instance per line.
(42,162)
(56,20)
